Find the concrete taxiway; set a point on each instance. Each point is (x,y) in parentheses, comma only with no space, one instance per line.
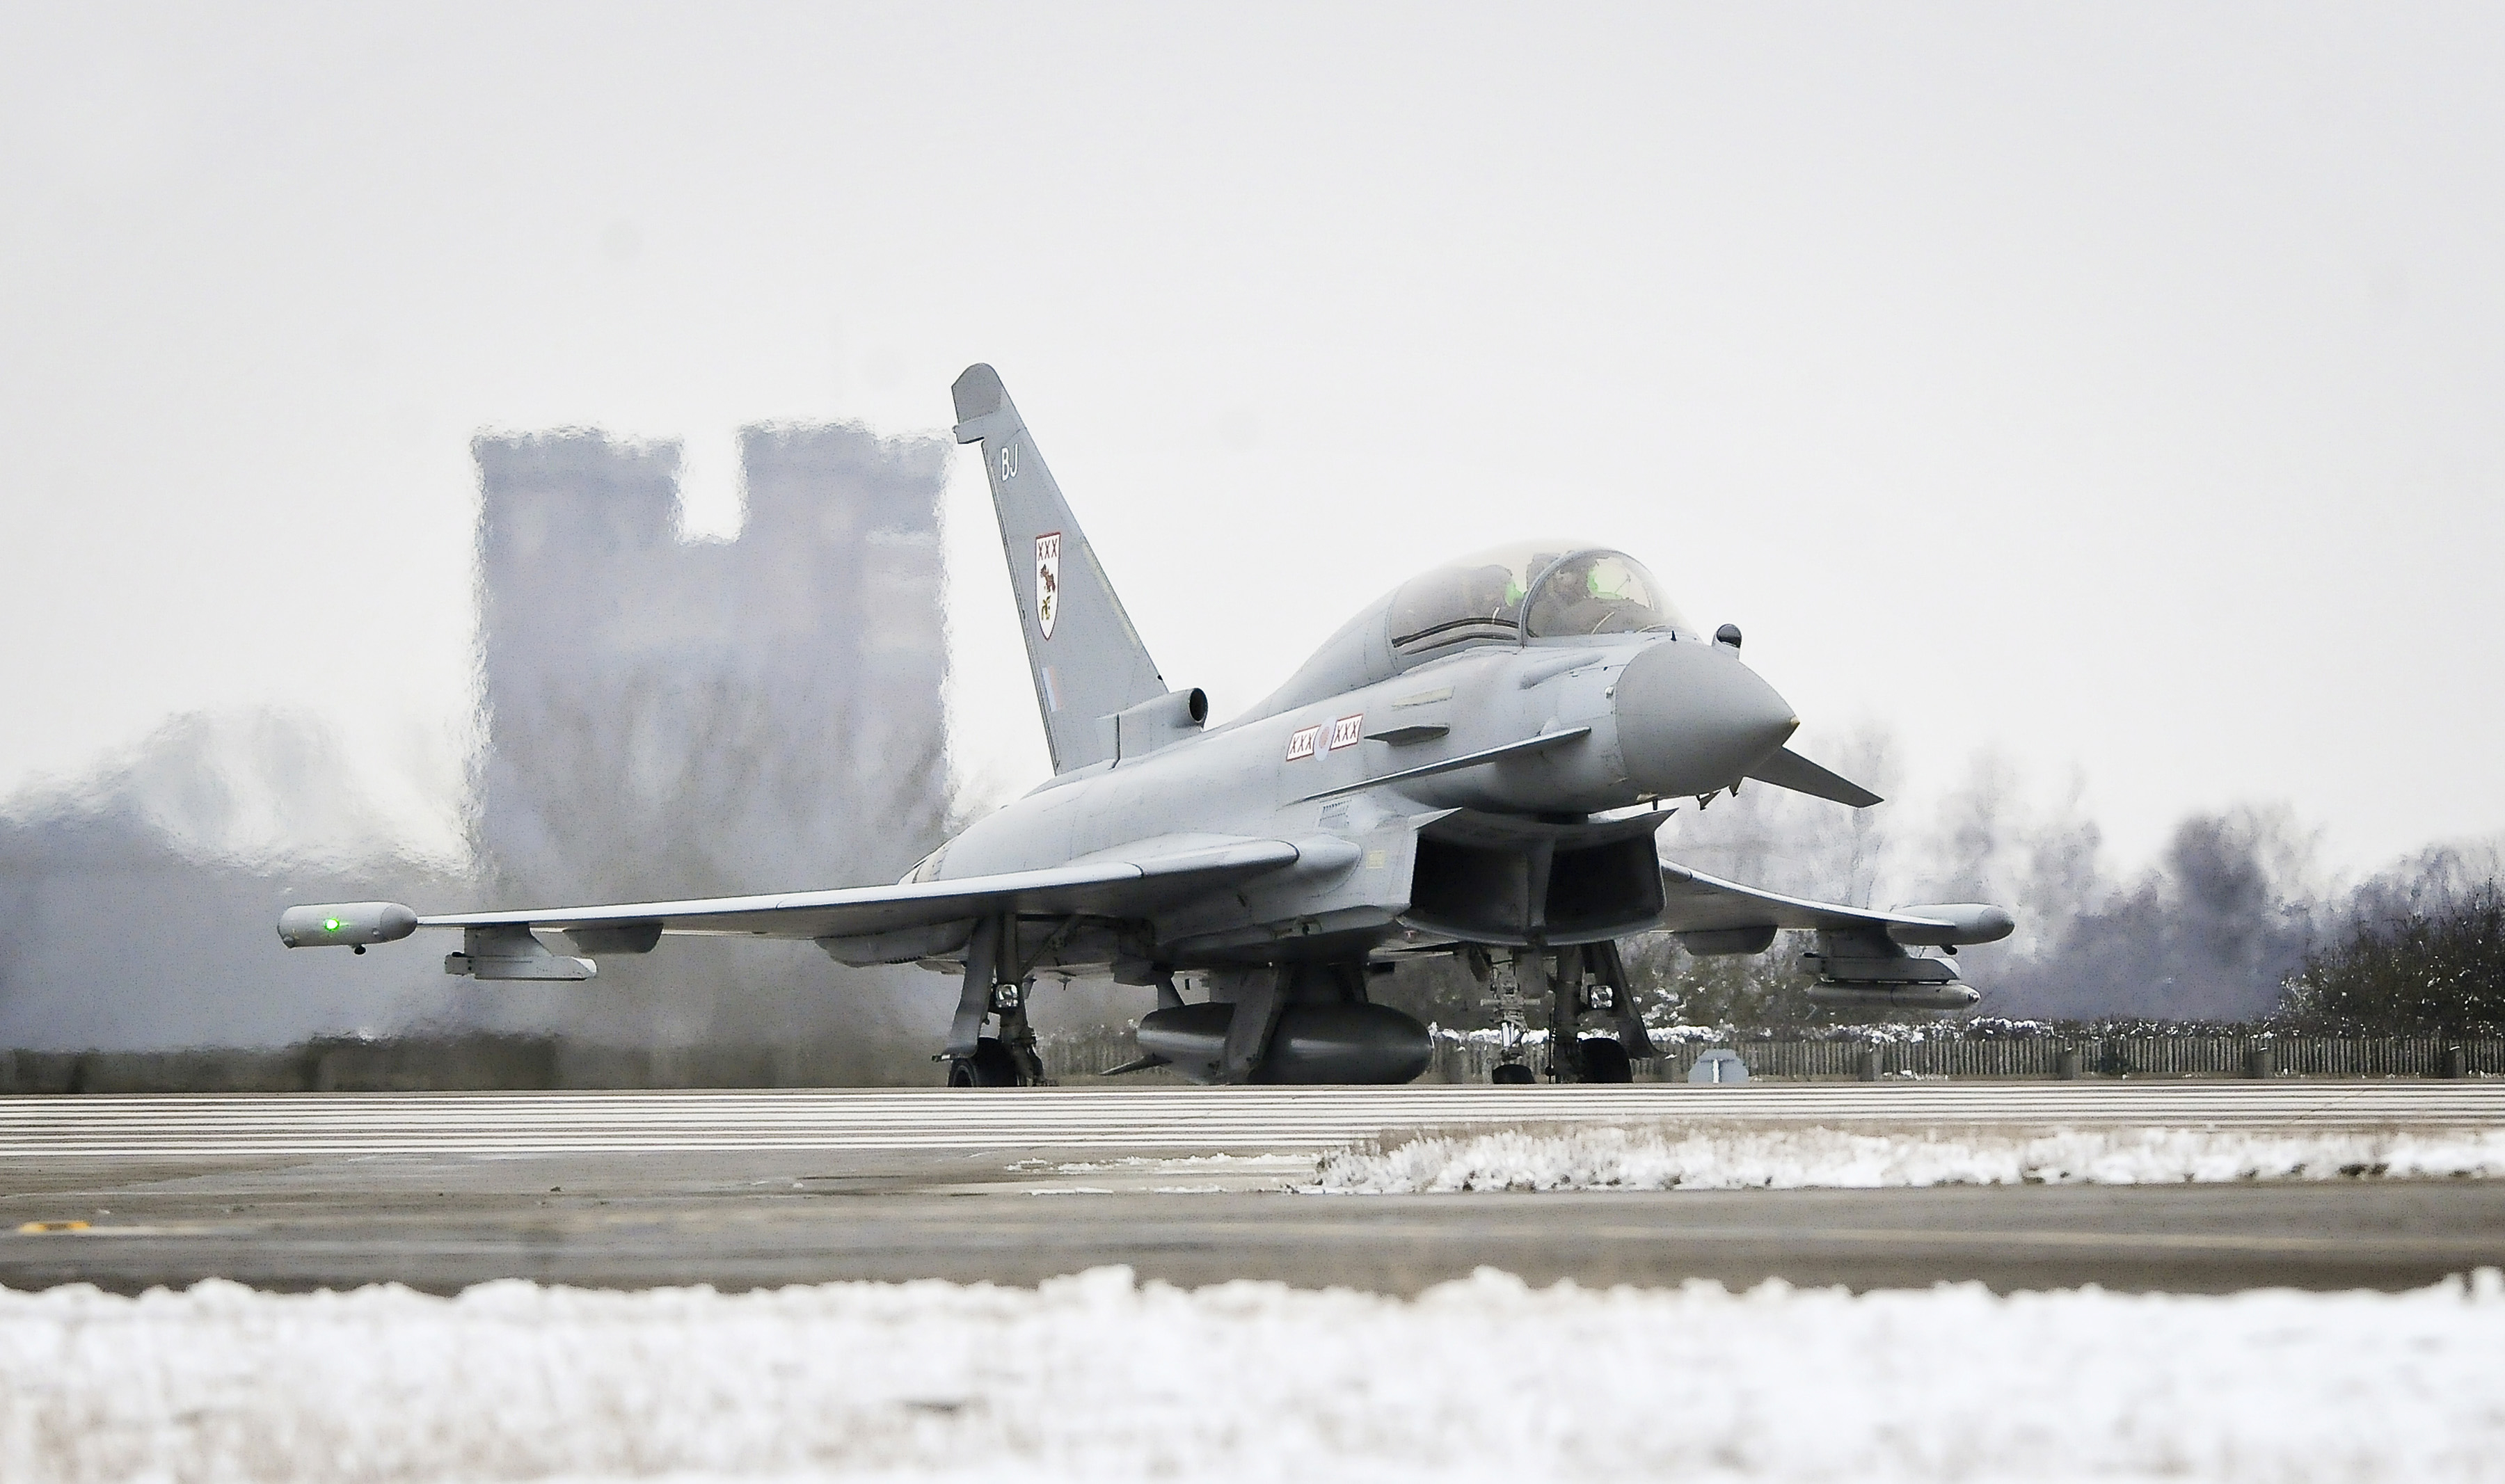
(742,1189)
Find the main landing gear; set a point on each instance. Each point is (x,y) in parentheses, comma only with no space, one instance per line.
(1605,1059)
(1587,980)
(991,1066)
(1008,1059)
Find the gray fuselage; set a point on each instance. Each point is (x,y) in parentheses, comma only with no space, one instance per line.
(1430,858)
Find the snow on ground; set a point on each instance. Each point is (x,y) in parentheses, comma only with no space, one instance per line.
(1094,1377)
(1687,1156)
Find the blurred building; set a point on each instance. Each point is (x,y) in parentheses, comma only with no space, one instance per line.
(675,718)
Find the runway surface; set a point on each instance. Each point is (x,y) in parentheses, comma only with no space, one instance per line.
(1241,1119)
(751,1188)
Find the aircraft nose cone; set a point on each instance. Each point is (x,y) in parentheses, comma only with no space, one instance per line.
(1693,718)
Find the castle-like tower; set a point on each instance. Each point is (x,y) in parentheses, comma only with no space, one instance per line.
(671,717)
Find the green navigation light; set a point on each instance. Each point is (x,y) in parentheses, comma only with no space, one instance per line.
(331,925)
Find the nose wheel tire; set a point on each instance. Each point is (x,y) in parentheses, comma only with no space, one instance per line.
(991,1066)
(1511,1073)
(1604,1060)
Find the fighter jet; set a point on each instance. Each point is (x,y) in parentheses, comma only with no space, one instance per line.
(1475,766)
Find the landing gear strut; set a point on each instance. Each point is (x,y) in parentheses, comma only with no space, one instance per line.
(994,989)
(1511,1023)
(1565,1015)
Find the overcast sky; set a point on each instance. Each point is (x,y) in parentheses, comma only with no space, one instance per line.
(2120,388)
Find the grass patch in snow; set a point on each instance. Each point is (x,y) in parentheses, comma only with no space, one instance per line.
(1097,1377)
(1687,1156)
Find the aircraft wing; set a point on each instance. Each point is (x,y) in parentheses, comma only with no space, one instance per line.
(1696,902)
(1103,887)
(1122,883)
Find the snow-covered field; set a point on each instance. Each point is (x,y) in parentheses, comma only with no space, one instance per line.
(1689,1157)
(1094,1377)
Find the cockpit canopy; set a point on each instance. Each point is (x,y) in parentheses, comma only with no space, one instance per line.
(1545,589)
(1532,589)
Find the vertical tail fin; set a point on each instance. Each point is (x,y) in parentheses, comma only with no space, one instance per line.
(1086,659)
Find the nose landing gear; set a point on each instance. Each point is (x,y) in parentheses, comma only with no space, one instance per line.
(1588,980)
(1504,979)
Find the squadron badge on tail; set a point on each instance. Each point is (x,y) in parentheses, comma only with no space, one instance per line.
(1048,581)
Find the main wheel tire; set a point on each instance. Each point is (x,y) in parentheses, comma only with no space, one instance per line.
(1512,1072)
(1604,1060)
(991,1066)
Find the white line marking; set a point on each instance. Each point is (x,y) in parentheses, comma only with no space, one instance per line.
(227,1127)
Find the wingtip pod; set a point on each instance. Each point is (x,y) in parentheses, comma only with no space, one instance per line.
(345,924)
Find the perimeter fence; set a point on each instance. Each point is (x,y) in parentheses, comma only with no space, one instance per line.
(1470,1060)
(520,1063)
(455,1063)
(2055,1056)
